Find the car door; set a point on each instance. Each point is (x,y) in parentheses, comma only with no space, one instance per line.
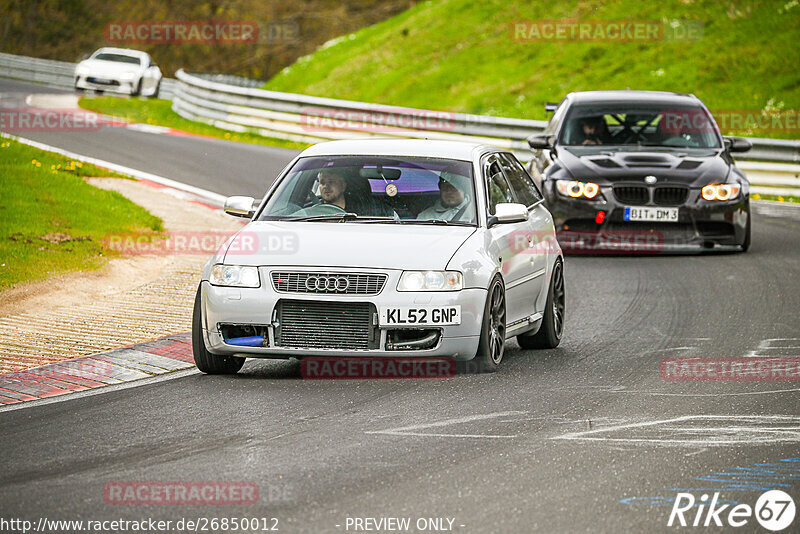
(515,264)
(536,243)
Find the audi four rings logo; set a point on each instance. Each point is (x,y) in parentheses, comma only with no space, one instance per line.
(327,283)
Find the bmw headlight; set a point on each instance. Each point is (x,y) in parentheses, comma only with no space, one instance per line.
(234,276)
(575,189)
(430,281)
(721,191)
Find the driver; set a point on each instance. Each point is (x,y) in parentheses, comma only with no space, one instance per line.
(592,129)
(332,186)
(454,203)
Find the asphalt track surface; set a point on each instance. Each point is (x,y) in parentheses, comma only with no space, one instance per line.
(586,437)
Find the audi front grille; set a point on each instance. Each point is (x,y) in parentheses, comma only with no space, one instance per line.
(635,195)
(310,324)
(328,283)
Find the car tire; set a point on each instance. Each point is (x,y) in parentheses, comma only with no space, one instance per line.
(552,329)
(205,361)
(746,242)
(493,329)
(138,90)
(157,90)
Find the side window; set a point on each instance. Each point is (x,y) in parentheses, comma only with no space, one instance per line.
(498,189)
(520,181)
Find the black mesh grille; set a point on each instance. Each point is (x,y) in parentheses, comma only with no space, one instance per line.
(102,81)
(632,194)
(328,283)
(670,196)
(326,325)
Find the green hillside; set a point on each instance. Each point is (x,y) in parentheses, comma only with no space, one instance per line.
(461,55)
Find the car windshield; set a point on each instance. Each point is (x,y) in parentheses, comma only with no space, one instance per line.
(117,58)
(640,125)
(381,189)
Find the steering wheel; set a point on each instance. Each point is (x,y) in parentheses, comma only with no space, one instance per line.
(324,209)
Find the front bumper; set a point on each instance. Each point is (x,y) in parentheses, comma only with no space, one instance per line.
(702,225)
(244,306)
(117,86)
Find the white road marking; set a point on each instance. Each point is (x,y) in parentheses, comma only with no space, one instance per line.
(743,430)
(777,343)
(411,430)
(148,128)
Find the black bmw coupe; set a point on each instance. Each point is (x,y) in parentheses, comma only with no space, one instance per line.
(641,171)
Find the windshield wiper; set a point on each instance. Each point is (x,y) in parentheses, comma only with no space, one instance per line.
(343,217)
(440,222)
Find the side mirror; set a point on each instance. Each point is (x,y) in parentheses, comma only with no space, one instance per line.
(550,106)
(540,141)
(737,144)
(510,213)
(240,206)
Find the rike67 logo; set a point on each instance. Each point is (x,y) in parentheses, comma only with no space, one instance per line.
(774,510)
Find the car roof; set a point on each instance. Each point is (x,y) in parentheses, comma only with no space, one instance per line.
(122,51)
(461,150)
(632,96)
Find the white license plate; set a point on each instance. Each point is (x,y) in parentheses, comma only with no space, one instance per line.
(651,214)
(420,316)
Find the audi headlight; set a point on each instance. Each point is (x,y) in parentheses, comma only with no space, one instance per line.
(234,276)
(575,189)
(430,281)
(721,191)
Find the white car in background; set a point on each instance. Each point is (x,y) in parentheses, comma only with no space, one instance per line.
(119,70)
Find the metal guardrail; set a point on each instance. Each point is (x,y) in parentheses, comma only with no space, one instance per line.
(312,119)
(236,103)
(55,73)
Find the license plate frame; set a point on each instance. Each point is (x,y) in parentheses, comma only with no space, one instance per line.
(419,316)
(650,214)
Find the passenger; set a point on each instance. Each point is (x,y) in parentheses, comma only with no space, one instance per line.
(454,203)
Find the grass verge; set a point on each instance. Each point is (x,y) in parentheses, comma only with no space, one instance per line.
(159,112)
(466,56)
(779,198)
(52,221)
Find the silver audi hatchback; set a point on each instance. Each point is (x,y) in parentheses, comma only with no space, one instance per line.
(385,248)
